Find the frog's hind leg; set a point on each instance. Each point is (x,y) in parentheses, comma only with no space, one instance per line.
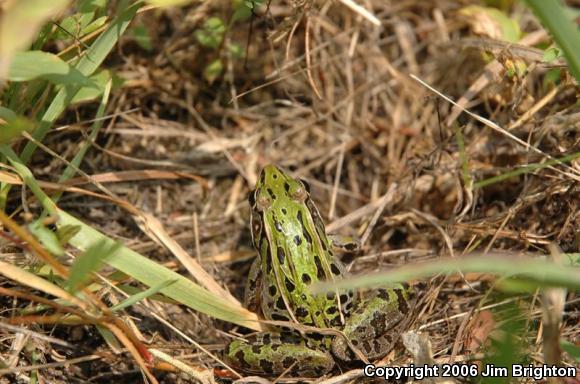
(253,286)
(273,354)
(372,326)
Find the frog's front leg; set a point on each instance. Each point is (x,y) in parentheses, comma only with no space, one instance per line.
(371,325)
(273,354)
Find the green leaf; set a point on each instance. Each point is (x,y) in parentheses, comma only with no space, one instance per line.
(99,81)
(566,34)
(13,125)
(67,232)
(212,33)
(168,3)
(142,37)
(571,349)
(20,22)
(89,262)
(90,61)
(47,238)
(142,295)
(26,66)
(213,70)
(551,54)
(150,273)
(542,273)
(491,21)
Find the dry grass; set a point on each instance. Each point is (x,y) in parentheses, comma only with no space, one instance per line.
(372,127)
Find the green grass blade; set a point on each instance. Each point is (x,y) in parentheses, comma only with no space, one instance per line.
(538,271)
(150,273)
(92,59)
(30,65)
(88,262)
(135,265)
(142,295)
(20,22)
(525,169)
(566,34)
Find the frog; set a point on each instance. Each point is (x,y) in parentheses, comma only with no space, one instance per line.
(294,253)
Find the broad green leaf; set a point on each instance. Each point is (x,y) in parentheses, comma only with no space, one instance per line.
(20,22)
(88,262)
(26,66)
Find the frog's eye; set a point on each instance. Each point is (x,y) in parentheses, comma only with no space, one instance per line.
(306,185)
(252,197)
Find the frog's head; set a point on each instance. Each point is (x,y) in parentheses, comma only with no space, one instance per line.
(276,194)
(276,187)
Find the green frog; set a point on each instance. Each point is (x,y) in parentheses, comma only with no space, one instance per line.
(295,252)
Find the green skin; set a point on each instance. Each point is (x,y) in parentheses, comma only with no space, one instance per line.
(295,252)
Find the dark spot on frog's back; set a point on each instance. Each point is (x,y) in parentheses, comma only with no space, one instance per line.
(306,278)
(280,303)
(319,270)
(267,367)
(278,317)
(289,285)
(403,305)
(287,187)
(281,255)
(256,349)
(284,211)
(272,290)
(315,336)
(241,358)
(266,339)
(262,177)
(334,269)
(331,310)
(288,361)
(378,321)
(305,233)
(336,322)
(383,294)
(271,193)
(301,312)
(297,240)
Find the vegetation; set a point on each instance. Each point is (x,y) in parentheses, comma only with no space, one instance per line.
(444,135)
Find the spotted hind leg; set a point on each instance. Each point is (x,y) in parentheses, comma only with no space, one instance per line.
(372,326)
(273,354)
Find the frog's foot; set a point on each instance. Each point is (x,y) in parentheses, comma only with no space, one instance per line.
(372,326)
(273,354)
(344,244)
